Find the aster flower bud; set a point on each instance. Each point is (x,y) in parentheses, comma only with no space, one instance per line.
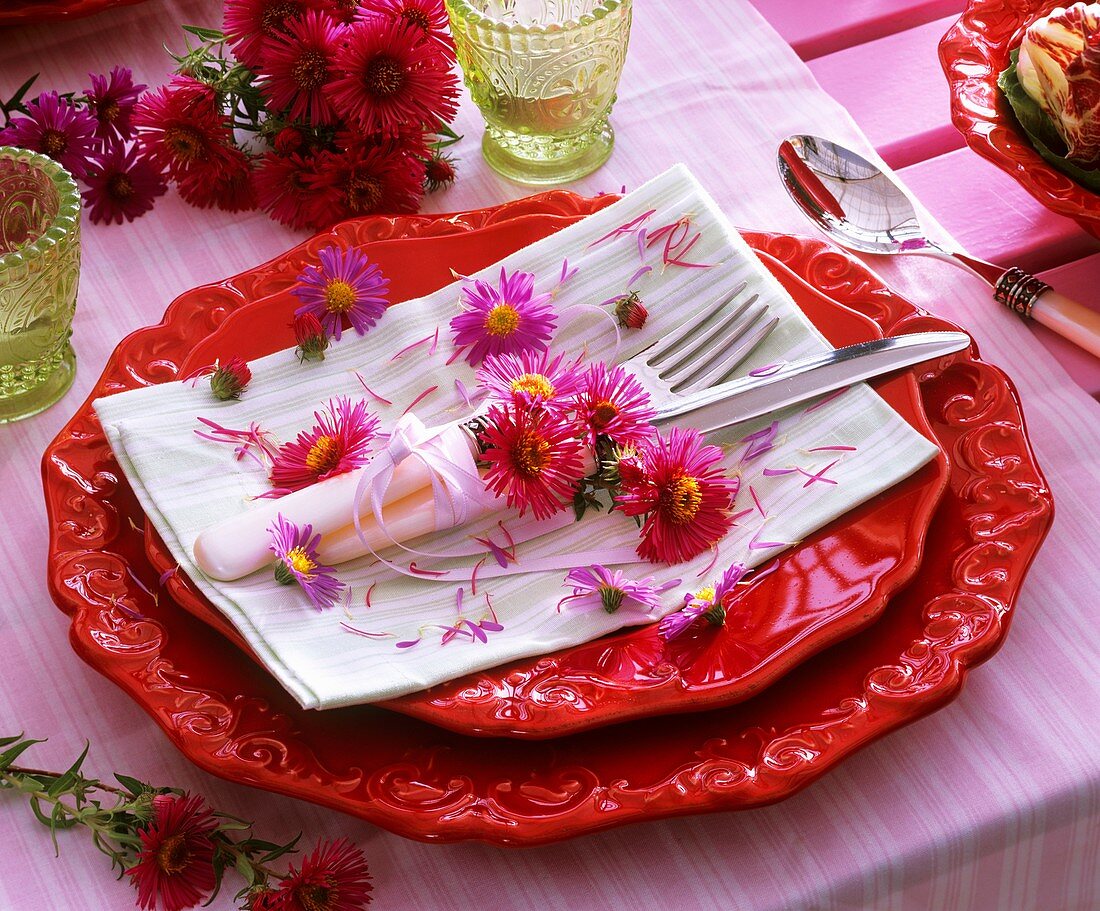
(288,140)
(630,311)
(439,172)
(230,379)
(311,337)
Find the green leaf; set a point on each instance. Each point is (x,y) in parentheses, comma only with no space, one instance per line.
(245,869)
(15,103)
(4,741)
(204,34)
(279,851)
(65,780)
(134,787)
(9,756)
(1040,129)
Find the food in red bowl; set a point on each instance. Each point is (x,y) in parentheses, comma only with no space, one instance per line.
(1025,93)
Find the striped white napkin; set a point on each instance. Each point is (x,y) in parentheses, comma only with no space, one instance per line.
(186,484)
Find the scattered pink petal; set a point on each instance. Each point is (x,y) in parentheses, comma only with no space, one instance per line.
(167,574)
(419,399)
(625,228)
(370,591)
(832,449)
(408,348)
(374,395)
(633,278)
(778,472)
(767,370)
(348,628)
(756,500)
(413,568)
(819,476)
(826,400)
(455,355)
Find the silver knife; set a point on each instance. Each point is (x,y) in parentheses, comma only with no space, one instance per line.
(806,378)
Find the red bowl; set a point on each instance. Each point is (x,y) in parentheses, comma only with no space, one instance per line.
(22,12)
(973,54)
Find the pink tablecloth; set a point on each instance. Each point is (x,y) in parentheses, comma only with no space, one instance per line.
(991,804)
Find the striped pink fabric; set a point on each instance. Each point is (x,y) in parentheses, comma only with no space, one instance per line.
(991,804)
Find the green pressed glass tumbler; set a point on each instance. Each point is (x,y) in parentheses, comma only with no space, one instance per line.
(544,74)
(39,269)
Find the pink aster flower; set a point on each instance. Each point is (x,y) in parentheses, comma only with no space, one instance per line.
(296,560)
(684,495)
(346,285)
(709,603)
(530,378)
(597,586)
(390,79)
(56,128)
(335,877)
(340,441)
(298,65)
(534,458)
(370,178)
(614,404)
(121,185)
(111,101)
(175,864)
(507,319)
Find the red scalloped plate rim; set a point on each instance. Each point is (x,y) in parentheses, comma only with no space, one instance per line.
(913,661)
(505,701)
(37,11)
(972,60)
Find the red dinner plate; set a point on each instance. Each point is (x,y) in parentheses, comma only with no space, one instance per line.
(18,12)
(793,610)
(234,720)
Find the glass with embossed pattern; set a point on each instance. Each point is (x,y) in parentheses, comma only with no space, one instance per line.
(39,269)
(544,75)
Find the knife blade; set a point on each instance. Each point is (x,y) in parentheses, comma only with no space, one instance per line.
(806,378)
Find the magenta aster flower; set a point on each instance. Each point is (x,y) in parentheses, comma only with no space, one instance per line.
(613,403)
(340,441)
(534,458)
(597,586)
(428,17)
(248,23)
(299,64)
(683,493)
(530,378)
(507,319)
(121,185)
(54,127)
(347,285)
(709,603)
(296,560)
(389,79)
(174,868)
(111,100)
(335,877)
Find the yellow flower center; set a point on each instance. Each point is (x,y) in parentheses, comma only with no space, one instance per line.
(120,187)
(363,193)
(681,499)
(530,454)
(339,296)
(603,413)
(314,897)
(276,14)
(310,71)
(109,110)
(173,855)
(184,142)
(323,455)
(705,594)
(383,77)
(54,142)
(417,17)
(299,561)
(533,384)
(502,320)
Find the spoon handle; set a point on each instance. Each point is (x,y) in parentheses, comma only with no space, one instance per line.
(1034,299)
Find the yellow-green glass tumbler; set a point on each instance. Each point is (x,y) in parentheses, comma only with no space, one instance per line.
(544,74)
(39,270)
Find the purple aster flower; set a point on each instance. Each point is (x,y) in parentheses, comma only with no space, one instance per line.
(530,378)
(346,285)
(296,561)
(707,602)
(597,586)
(111,101)
(508,319)
(121,185)
(54,127)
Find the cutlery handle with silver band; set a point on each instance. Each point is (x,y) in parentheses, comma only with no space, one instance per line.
(806,378)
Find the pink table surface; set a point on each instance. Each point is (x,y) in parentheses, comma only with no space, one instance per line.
(991,804)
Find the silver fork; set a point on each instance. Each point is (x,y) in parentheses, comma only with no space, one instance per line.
(705,350)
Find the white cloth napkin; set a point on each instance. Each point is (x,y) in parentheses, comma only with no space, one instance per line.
(186,484)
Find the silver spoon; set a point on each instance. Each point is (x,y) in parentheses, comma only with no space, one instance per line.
(854,203)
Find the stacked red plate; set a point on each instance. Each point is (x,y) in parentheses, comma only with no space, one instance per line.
(866,626)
